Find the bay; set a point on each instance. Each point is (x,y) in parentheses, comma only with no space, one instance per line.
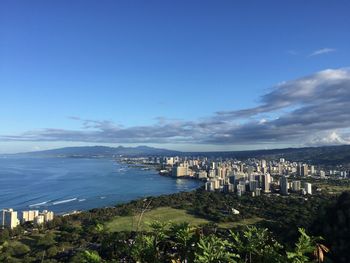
(67,184)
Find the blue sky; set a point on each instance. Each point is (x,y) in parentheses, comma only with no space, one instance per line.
(119,72)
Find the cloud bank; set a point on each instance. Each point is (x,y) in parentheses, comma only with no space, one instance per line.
(312,110)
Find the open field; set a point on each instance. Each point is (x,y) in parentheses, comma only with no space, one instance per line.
(243,222)
(167,214)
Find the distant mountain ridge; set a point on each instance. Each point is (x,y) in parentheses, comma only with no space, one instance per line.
(328,155)
(331,155)
(105,151)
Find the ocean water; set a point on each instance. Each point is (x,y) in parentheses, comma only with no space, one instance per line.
(67,184)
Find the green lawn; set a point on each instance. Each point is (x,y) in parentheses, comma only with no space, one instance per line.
(166,214)
(163,214)
(243,222)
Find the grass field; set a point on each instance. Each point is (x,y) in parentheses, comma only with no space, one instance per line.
(243,222)
(166,214)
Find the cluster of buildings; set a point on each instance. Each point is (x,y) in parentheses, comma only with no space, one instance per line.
(9,218)
(252,176)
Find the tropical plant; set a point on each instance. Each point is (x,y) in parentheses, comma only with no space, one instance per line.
(256,245)
(212,249)
(305,247)
(183,239)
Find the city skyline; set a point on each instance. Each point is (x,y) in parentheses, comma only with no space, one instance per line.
(189,76)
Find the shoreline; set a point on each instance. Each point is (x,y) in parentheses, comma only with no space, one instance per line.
(95,203)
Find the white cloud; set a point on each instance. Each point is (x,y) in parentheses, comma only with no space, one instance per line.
(322,51)
(331,138)
(305,110)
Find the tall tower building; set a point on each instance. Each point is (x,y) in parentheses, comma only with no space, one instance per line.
(284,185)
(312,170)
(266,180)
(304,170)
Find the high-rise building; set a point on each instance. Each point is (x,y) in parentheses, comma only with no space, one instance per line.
(241,167)
(48,215)
(202,175)
(8,218)
(312,170)
(322,174)
(29,216)
(169,160)
(211,173)
(253,184)
(296,186)
(304,170)
(180,170)
(240,189)
(299,167)
(280,169)
(209,186)
(266,180)
(2,218)
(308,188)
(257,191)
(232,179)
(284,185)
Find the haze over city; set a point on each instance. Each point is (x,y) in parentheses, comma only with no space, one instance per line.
(185,75)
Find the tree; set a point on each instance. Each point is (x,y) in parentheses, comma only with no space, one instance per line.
(47,240)
(183,239)
(212,249)
(150,247)
(4,235)
(86,257)
(256,245)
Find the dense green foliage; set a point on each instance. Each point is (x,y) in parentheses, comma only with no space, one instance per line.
(84,237)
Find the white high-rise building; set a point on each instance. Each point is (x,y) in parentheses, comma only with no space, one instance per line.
(48,215)
(322,174)
(266,180)
(29,216)
(180,170)
(308,188)
(312,170)
(8,218)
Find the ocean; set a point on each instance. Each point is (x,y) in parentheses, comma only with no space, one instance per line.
(67,184)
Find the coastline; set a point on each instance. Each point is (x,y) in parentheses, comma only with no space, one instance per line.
(100,178)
